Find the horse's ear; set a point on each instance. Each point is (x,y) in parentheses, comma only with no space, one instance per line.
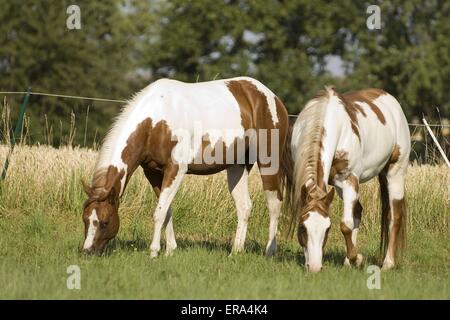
(330,196)
(115,183)
(86,187)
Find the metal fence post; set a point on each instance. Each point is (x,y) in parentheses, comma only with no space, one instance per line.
(16,133)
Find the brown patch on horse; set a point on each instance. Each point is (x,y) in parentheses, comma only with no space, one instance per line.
(366,96)
(398,239)
(347,232)
(395,155)
(247,96)
(351,111)
(316,199)
(255,114)
(351,250)
(103,183)
(353,180)
(339,164)
(285,161)
(140,148)
(136,145)
(302,234)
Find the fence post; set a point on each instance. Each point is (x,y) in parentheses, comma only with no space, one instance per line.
(436,142)
(16,133)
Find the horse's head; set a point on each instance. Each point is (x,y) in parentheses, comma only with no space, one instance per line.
(100,215)
(314,225)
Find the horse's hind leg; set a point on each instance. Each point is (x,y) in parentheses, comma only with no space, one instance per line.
(238,186)
(155,178)
(271,188)
(351,218)
(392,187)
(172,178)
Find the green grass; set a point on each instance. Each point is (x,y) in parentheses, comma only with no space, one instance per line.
(41,232)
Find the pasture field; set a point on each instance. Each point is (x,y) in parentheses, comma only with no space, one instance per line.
(41,232)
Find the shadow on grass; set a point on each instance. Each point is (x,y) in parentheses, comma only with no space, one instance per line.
(333,257)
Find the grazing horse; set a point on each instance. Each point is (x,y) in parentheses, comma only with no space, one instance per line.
(344,140)
(168,129)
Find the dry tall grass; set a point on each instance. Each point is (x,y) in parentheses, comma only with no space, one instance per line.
(44,179)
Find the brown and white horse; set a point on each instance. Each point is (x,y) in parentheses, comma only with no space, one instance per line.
(344,140)
(167,129)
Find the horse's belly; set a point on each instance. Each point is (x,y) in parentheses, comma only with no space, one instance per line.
(205,169)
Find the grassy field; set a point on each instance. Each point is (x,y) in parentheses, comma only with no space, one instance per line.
(41,232)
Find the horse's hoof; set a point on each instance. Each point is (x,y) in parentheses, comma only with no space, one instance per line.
(347,262)
(169,253)
(153,255)
(270,254)
(359,260)
(270,251)
(387,265)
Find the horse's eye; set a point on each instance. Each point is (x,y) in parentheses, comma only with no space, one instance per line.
(302,234)
(103,225)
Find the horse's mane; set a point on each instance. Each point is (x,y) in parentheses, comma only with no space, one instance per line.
(110,140)
(307,135)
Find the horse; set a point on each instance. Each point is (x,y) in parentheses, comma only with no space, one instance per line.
(343,140)
(167,129)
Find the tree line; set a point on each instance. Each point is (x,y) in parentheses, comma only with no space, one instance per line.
(123,45)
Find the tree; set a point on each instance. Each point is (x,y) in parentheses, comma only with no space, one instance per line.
(408,56)
(282,43)
(99,60)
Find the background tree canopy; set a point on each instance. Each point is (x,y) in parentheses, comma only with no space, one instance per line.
(289,45)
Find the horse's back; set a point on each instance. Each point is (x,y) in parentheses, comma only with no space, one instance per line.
(382,128)
(220,104)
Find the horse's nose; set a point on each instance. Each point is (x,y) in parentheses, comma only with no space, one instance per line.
(87,251)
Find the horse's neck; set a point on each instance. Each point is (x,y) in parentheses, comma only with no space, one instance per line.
(123,151)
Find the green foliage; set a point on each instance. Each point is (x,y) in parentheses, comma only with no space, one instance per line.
(38,50)
(124,45)
(408,56)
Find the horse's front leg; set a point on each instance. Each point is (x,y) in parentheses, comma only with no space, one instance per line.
(171,243)
(173,176)
(351,218)
(155,177)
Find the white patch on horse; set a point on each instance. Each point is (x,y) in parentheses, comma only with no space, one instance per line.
(316,226)
(92,229)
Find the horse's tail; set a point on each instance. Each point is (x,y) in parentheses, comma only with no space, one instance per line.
(385,210)
(287,172)
(402,238)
